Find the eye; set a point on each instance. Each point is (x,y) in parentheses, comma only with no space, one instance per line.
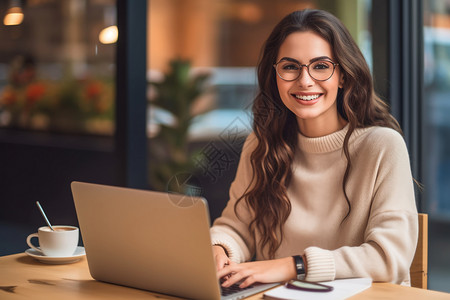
(321,65)
(289,66)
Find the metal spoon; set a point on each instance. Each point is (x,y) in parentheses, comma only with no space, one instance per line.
(43,214)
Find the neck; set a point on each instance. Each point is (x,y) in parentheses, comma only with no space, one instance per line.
(318,128)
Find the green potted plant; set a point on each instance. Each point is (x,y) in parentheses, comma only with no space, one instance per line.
(177,94)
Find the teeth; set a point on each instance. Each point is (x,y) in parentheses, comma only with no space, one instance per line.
(307,98)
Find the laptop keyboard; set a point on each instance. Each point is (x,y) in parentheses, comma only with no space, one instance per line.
(226,291)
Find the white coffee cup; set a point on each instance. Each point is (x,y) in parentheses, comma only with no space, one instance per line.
(61,242)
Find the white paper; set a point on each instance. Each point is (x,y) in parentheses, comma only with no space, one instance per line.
(343,289)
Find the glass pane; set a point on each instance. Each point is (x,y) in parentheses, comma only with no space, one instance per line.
(437,104)
(57,66)
(222,38)
(436,128)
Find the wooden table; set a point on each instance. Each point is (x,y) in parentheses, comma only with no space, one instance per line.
(22,277)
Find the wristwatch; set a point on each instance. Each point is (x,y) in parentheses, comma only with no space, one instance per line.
(300,266)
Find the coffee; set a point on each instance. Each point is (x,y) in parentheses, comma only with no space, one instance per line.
(60,242)
(58,228)
(64,229)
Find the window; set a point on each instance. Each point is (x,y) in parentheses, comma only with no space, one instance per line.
(437,106)
(57,65)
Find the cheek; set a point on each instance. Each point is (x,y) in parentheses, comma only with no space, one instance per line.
(283,87)
(283,91)
(332,88)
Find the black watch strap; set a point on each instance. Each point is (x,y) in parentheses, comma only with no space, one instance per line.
(300,266)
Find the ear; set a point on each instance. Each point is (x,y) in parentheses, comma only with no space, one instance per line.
(341,80)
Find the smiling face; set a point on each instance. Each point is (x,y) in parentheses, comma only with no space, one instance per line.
(312,101)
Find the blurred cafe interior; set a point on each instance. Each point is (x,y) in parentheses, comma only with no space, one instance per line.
(146,93)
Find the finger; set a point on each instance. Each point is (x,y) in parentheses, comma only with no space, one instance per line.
(248,281)
(236,277)
(220,263)
(222,273)
(232,263)
(228,269)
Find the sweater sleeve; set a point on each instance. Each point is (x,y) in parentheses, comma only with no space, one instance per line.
(230,230)
(390,237)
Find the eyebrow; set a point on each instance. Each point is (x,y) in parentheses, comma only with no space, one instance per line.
(311,60)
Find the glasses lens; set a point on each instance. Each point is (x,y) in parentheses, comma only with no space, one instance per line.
(321,70)
(307,285)
(288,70)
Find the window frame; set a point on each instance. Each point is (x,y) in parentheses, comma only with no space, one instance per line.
(398,40)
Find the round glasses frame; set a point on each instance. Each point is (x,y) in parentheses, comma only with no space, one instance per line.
(307,68)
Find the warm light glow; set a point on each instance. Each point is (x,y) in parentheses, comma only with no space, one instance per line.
(109,35)
(250,13)
(14,16)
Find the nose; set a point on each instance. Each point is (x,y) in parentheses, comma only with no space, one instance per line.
(305,79)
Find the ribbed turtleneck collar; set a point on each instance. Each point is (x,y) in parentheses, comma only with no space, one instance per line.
(327,143)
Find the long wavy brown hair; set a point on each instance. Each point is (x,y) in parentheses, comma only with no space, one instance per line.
(276,128)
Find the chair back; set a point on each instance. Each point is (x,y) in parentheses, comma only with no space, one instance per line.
(419,266)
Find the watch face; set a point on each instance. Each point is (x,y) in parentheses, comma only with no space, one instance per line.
(301,276)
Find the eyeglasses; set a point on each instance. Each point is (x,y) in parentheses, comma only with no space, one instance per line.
(308,286)
(319,70)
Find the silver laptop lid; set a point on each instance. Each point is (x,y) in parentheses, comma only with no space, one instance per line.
(148,240)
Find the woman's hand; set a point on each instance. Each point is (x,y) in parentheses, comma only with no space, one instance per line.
(276,270)
(221,257)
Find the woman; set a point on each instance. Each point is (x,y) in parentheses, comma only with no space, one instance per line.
(324,187)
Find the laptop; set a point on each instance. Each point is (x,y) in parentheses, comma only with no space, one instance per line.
(149,240)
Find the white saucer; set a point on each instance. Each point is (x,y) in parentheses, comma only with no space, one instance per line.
(79,253)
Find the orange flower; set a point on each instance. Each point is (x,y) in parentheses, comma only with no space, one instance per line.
(34,92)
(93,90)
(9,97)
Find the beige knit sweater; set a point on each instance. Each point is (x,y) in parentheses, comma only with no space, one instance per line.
(379,237)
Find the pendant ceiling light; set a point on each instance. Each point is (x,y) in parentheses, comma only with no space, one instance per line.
(14,15)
